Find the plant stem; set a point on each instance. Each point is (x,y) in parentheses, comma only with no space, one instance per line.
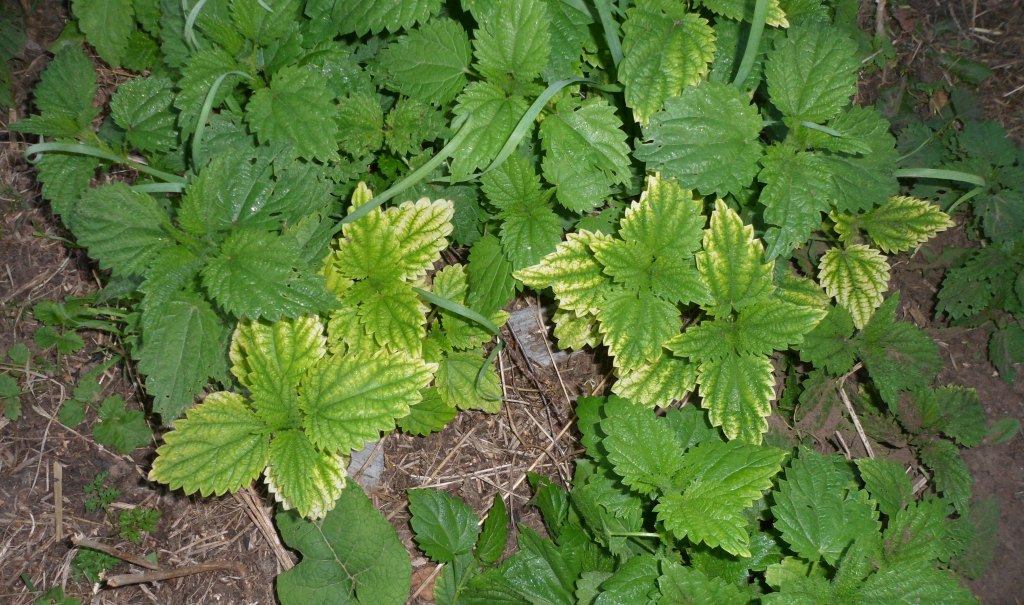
(941,173)
(611,30)
(753,43)
(96,152)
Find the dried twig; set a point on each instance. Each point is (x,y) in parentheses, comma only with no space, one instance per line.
(170,574)
(84,542)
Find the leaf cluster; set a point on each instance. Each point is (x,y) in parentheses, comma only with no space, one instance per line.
(634,527)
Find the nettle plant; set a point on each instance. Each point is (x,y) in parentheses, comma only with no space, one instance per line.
(723,199)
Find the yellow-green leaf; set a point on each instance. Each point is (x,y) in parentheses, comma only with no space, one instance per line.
(857,276)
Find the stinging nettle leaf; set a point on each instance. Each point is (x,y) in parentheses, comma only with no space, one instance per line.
(490,116)
(142,106)
(430,63)
(857,276)
(572,272)
(744,10)
(302,477)
(737,391)
(64,97)
(359,17)
(812,73)
(264,21)
(796,192)
(297,108)
(636,325)
(732,263)
(445,527)
(898,225)
(706,138)
(513,40)
(665,49)
(107,24)
(220,446)
(197,79)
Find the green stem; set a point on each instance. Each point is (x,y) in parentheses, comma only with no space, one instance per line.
(159,187)
(820,128)
(524,124)
(942,173)
(470,314)
(611,30)
(410,179)
(190,23)
(204,114)
(105,155)
(634,534)
(965,197)
(753,43)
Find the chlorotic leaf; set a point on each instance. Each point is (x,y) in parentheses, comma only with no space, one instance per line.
(107,24)
(706,138)
(429,64)
(635,325)
(812,73)
(774,325)
(737,391)
(897,225)
(857,276)
(420,228)
(297,108)
(732,263)
(348,400)
(667,220)
(656,384)
(575,331)
(445,527)
(303,477)
(726,478)
(572,272)
(122,228)
(665,49)
(220,446)
(458,386)
(352,556)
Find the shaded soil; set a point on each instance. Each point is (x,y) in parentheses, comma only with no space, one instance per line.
(44,465)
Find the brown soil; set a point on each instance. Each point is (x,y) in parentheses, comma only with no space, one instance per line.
(45,465)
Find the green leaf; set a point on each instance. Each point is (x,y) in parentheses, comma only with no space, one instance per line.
(914,582)
(830,345)
(357,17)
(260,275)
(410,124)
(71,412)
(744,10)
(430,63)
(430,415)
(667,220)
(270,360)
(918,532)
(952,477)
(572,272)
(898,355)
(303,477)
(391,313)
(64,97)
(66,342)
(185,346)
(656,384)
(706,138)
(528,234)
(641,447)
(688,586)
(812,73)
(445,527)
(818,509)
(360,123)
(737,391)
(297,108)
(665,49)
(1005,348)
(575,331)
(635,325)
(262,21)
(977,556)
(197,78)
(122,228)
(774,325)
(142,107)
(493,533)
(795,194)
(64,177)
(570,34)
(588,139)
(420,229)
(887,483)
(121,429)
(732,263)
(857,276)
(352,556)
(513,40)
(490,117)
(220,446)
(726,478)
(457,382)
(489,274)
(107,25)
(897,225)
(349,400)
